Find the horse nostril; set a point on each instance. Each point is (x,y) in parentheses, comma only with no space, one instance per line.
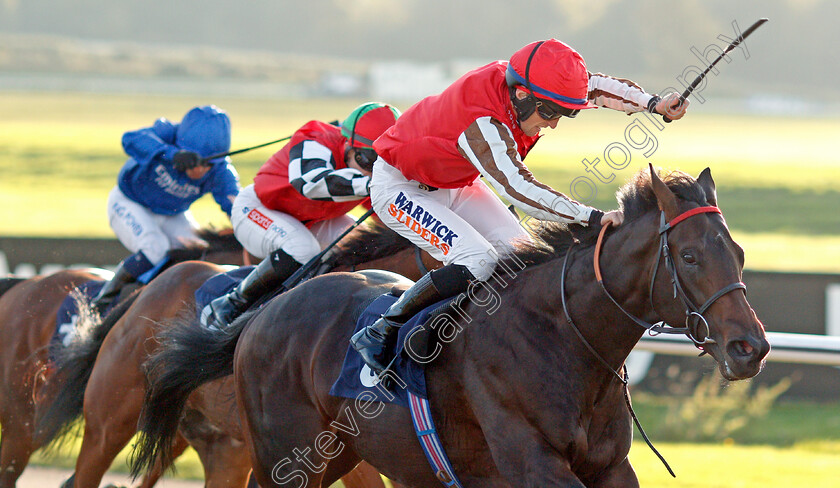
(741,349)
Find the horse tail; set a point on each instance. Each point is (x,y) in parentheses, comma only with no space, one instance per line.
(74,365)
(188,357)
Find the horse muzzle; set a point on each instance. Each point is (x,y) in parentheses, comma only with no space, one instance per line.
(740,358)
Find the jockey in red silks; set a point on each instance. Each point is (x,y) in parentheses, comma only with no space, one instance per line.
(426,185)
(299,202)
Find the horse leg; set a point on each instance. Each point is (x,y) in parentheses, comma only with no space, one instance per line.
(228,465)
(223,457)
(149,479)
(99,448)
(277,460)
(110,413)
(520,453)
(281,451)
(619,476)
(16,446)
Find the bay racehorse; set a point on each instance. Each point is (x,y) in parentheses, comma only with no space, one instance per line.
(526,387)
(107,383)
(28,309)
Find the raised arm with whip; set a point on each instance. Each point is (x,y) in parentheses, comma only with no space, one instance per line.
(726,51)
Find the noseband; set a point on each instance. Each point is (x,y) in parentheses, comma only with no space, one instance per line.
(694,318)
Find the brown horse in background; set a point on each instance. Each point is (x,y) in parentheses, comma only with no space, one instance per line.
(28,309)
(108,380)
(526,387)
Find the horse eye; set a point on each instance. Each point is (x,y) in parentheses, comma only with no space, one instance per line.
(689,258)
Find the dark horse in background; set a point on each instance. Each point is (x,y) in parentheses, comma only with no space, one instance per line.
(28,309)
(103,377)
(529,392)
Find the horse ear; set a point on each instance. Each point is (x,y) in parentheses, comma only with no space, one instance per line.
(708,185)
(666,198)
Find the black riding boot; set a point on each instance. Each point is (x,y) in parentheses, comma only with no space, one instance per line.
(111,290)
(375,342)
(267,276)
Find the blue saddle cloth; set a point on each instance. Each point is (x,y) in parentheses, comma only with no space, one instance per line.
(68,314)
(407,373)
(218,285)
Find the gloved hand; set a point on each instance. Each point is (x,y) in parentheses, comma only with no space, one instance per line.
(184,160)
(671,107)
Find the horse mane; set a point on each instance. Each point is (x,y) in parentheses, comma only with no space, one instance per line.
(367,243)
(213,241)
(635,198)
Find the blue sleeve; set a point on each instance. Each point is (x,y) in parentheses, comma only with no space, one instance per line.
(225,184)
(146,144)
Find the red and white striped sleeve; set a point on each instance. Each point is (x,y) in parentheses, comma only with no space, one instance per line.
(617,93)
(489,145)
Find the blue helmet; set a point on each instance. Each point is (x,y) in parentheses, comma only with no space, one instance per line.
(205,130)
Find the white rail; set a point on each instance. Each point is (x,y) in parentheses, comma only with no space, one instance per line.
(785,347)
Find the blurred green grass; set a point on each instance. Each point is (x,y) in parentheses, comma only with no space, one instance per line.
(796,444)
(777,177)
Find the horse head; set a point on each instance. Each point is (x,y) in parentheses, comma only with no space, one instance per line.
(697,280)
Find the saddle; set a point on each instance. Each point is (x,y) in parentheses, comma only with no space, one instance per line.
(415,347)
(404,383)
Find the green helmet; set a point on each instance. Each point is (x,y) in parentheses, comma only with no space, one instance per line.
(367,122)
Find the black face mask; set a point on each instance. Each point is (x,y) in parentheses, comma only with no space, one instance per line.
(365,158)
(524,107)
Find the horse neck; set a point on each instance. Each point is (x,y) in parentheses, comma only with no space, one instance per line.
(626,264)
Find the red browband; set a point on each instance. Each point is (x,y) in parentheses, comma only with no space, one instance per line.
(694,211)
(676,220)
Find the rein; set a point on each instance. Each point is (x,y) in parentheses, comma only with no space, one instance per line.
(622,377)
(692,311)
(418,259)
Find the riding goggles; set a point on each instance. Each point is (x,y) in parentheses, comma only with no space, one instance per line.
(365,158)
(549,110)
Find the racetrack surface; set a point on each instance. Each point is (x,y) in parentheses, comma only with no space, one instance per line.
(43,477)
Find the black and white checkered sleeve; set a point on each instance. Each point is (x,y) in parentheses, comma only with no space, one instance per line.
(312,172)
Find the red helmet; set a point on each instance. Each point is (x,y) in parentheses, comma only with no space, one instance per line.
(553,71)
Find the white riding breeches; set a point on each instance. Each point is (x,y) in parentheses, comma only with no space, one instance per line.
(469,226)
(140,229)
(262,230)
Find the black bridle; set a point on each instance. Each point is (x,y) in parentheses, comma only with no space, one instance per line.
(694,314)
